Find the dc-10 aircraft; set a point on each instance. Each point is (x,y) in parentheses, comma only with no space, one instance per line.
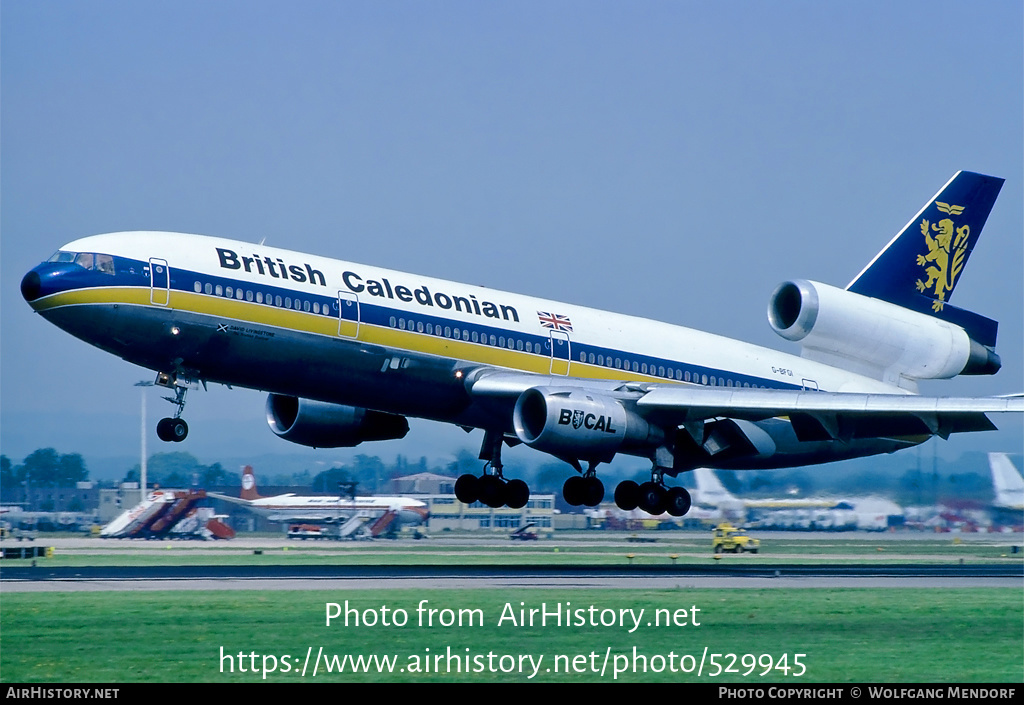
(349,351)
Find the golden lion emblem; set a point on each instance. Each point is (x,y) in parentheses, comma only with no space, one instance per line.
(946,255)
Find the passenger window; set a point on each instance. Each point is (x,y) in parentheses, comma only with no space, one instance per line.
(198,287)
(218,290)
(208,288)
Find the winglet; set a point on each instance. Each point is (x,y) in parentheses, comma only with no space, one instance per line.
(921,266)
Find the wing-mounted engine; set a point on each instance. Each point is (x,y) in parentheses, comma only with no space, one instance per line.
(322,425)
(873,337)
(575,424)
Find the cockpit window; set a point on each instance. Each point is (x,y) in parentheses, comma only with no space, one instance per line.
(60,256)
(86,260)
(105,264)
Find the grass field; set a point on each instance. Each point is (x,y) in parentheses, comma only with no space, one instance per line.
(845,635)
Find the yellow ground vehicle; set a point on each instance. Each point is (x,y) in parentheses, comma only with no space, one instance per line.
(729,538)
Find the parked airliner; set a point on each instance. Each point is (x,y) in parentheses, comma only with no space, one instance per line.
(349,351)
(316,509)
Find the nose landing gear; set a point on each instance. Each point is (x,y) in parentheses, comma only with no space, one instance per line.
(173,429)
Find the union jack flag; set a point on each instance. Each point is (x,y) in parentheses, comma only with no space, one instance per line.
(554,321)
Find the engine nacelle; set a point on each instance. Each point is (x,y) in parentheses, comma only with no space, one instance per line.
(322,425)
(570,423)
(834,325)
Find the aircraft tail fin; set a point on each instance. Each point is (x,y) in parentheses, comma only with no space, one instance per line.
(1006,481)
(249,484)
(921,266)
(710,490)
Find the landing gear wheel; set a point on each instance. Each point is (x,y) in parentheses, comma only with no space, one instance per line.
(627,495)
(574,490)
(593,491)
(169,430)
(492,491)
(652,498)
(517,494)
(467,489)
(163,430)
(678,501)
(179,430)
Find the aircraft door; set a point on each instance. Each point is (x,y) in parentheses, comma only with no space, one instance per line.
(348,314)
(159,282)
(560,359)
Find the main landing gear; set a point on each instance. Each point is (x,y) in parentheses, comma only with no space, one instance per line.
(653,497)
(173,429)
(584,489)
(491,488)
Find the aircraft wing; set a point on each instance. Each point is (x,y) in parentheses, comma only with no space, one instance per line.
(229,498)
(829,415)
(814,415)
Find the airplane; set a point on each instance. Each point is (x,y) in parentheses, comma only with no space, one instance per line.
(325,510)
(834,513)
(348,352)
(1009,488)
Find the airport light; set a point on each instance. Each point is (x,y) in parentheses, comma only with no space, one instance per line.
(142,465)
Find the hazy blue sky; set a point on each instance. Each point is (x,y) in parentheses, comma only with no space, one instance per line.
(675,160)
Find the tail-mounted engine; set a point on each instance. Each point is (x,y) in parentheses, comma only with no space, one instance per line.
(574,424)
(874,337)
(322,425)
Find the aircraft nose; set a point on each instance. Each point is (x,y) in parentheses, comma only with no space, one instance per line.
(31,285)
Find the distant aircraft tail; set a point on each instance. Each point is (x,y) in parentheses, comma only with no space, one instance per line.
(1006,481)
(249,484)
(921,266)
(710,490)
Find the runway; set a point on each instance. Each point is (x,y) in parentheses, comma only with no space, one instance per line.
(577,561)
